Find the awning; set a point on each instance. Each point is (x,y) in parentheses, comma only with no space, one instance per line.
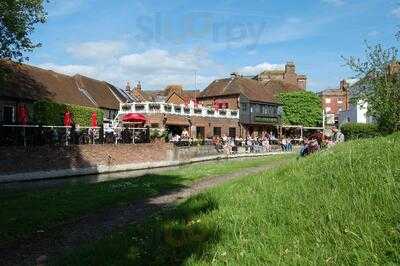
(134,118)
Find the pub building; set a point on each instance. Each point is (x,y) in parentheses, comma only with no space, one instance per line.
(256,101)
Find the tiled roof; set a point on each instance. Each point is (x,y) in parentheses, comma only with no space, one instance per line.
(250,88)
(32,83)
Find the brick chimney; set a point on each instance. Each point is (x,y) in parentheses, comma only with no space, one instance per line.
(128,87)
(344,85)
(139,86)
(290,67)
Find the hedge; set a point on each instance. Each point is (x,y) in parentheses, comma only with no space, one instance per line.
(51,113)
(359,131)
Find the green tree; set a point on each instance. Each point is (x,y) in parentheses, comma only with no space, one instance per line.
(17,21)
(378,85)
(301,108)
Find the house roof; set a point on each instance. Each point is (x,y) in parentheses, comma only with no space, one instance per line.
(250,88)
(186,95)
(32,83)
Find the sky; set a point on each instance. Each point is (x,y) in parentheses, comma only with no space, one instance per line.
(194,42)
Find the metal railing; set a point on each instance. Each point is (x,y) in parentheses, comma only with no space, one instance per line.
(174,109)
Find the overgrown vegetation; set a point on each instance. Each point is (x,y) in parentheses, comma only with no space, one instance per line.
(51,113)
(378,85)
(337,207)
(25,212)
(359,131)
(301,108)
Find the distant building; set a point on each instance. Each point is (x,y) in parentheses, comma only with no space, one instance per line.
(335,101)
(171,94)
(357,113)
(288,76)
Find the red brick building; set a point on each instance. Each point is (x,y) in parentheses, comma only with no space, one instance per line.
(334,101)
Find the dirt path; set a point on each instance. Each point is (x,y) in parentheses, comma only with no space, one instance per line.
(96,226)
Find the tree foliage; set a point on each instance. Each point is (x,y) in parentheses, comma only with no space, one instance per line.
(379,84)
(301,108)
(17,21)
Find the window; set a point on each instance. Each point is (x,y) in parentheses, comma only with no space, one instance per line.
(232,132)
(200,132)
(217,131)
(8,114)
(339,101)
(243,106)
(328,100)
(154,125)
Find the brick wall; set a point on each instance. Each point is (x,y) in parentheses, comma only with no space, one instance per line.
(19,159)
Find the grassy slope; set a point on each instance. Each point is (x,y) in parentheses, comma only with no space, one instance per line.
(340,206)
(22,213)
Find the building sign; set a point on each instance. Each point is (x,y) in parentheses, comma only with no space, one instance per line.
(265,119)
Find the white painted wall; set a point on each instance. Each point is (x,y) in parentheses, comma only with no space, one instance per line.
(357,113)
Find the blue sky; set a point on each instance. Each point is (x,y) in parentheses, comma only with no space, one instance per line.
(167,42)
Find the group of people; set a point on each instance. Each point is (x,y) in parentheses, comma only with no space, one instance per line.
(318,140)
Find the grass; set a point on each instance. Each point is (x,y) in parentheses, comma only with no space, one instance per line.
(341,206)
(25,212)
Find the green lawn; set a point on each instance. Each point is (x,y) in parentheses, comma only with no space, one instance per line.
(22,213)
(341,206)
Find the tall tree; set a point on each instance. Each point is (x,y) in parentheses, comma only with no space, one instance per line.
(379,84)
(301,108)
(17,21)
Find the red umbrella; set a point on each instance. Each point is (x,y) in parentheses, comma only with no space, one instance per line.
(67,119)
(134,118)
(94,119)
(23,114)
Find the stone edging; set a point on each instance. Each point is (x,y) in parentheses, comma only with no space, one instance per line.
(104,169)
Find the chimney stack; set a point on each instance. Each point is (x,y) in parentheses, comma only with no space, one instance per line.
(139,86)
(128,86)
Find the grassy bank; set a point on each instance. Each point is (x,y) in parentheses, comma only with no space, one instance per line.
(22,213)
(337,207)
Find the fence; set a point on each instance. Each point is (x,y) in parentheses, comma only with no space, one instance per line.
(37,135)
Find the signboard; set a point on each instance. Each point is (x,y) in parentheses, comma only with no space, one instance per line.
(265,119)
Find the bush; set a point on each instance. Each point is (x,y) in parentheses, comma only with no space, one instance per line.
(51,113)
(359,131)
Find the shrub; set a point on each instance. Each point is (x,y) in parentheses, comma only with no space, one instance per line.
(51,113)
(359,131)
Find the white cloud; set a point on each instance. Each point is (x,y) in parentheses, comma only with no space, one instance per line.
(71,69)
(334,2)
(97,50)
(154,68)
(161,61)
(254,70)
(396,12)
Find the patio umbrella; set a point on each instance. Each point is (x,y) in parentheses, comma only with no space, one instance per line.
(94,119)
(67,119)
(23,114)
(134,118)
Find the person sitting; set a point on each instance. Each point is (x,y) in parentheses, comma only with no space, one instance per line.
(337,136)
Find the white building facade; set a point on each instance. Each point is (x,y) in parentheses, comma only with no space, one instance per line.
(357,113)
